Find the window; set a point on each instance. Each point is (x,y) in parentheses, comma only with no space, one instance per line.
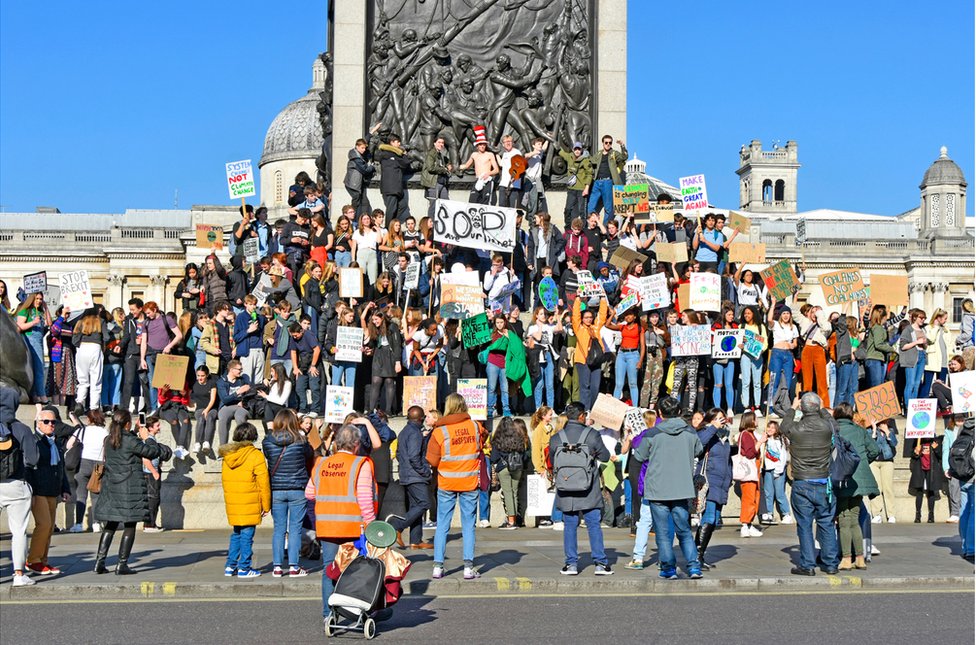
(780,192)
(279,187)
(957,310)
(934,204)
(767,191)
(950,209)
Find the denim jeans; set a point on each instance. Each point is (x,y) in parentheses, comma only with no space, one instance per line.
(846,383)
(343,258)
(966,526)
(811,502)
(876,371)
(712,514)
(571,522)
(913,379)
(775,487)
(930,376)
(780,365)
(329,551)
(832,380)
(663,513)
(344,368)
(446,500)
(240,551)
(601,191)
(111,384)
(35,350)
(751,370)
(626,365)
(545,380)
(589,385)
(484,505)
(497,380)
(305,383)
(557,515)
(153,401)
(724,378)
(287,511)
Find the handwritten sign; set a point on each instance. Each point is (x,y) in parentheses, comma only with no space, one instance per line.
(349,344)
(76,291)
(623,256)
(963,387)
(210,237)
(739,222)
(476,226)
(654,292)
(461,301)
(420,390)
(706,292)
(878,403)
(631,199)
(170,371)
(801,232)
(753,344)
(475,330)
(746,253)
(780,279)
(549,293)
(921,418)
(842,286)
(608,412)
(240,179)
(538,498)
(252,252)
(475,393)
(684,296)
(694,196)
(588,287)
(634,420)
(350,282)
(672,252)
(660,214)
(891,290)
(338,402)
(629,302)
(412,278)
(727,343)
(35,282)
(691,340)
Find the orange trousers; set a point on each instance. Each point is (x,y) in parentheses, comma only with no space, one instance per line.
(813,367)
(750,501)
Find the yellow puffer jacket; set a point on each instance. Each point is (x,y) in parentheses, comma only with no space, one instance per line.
(247,487)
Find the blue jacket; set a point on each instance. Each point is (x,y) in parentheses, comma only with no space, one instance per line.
(246,342)
(411,455)
(292,470)
(227,393)
(718,469)
(891,440)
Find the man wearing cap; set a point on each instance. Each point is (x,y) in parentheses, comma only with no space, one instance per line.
(579,173)
(485,168)
(608,168)
(18,452)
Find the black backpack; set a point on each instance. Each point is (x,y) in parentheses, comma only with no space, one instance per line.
(844,460)
(961,454)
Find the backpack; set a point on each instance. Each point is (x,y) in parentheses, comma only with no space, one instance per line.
(844,460)
(513,461)
(595,356)
(573,465)
(961,454)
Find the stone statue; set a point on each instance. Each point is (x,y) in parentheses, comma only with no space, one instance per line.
(323,164)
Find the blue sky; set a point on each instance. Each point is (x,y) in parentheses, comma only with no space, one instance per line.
(107,106)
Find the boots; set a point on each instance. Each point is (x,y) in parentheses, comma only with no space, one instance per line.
(703,538)
(125,548)
(859,562)
(104,543)
(846,564)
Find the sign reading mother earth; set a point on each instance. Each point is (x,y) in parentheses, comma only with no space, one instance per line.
(475,226)
(240,179)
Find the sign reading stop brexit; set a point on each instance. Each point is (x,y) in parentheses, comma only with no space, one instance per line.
(240,179)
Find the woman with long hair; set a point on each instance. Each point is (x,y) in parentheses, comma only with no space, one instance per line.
(657,340)
(384,343)
(630,354)
(716,467)
(508,457)
(343,243)
(90,336)
(188,290)
(751,443)
(4,296)
(938,351)
(112,368)
(749,291)
(320,238)
(785,337)
(214,280)
(750,367)
(723,369)
(878,348)
(391,245)
(685,367)
(495,367)
(288,454)
(123,500)
(276,396)
(587,327)
(367,241)
(852,490)
(92,437)
(33,318)
(541,335)
(911,353)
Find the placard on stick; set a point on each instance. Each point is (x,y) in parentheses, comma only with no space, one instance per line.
(747,253)
(420,390)
(475,393)
(654,291)
(338,402)
(170,371)
(608,412)
(878,403)
(210,237)
(672,252)
(659,213)
(890,290)
(240,179)
(631,199)
(35,282)
(780,279)
(350,282)
(842,286)
(694,196)
(921,418)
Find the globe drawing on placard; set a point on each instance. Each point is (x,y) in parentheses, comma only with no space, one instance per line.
(211,236)
(728,343)
(921,420)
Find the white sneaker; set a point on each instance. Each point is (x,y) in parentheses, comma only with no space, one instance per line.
(96,527)
(558,526)
(195,447)
(77,528)
(767,518)
(744,531)
(787,519)
(483,524)
(754,532)
(875,550)
(730,414)
(953,519)
(22,581)
(891,519)
(206,445)
(759,413)
(876,519)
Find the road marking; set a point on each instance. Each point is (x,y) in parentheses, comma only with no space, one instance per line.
(503,584)
(169,588)
(147,588)
(524,584)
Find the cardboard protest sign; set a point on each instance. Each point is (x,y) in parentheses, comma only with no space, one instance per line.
(660,214)
(780,279)
(878,403)
(468,278)
(842,286)
(538,498)
(921,418)
(461,301)
(671,252)
(753,344)
(475,330)
(727,343)
(549,293)
(350,282)
(891,290)
(475,393)
(654,292)
(623,256)
(252,251)
(76,291)
(963,387)
(349,344)
(706,292)
(210,237)
(420,390)
(338,403)
(631,199)
(684,295)
(608,412)
(35,282)
(170,371)
(412,278)
(746,253)
(691,340)
(634,420)
(475,226)
(739,222)
(694,196)
(240,179)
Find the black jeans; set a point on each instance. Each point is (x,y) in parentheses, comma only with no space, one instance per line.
(131,374)
(152,495)
(396,206)
(417,504)
(178,419)
(359,201)
(575,206)
(509,197)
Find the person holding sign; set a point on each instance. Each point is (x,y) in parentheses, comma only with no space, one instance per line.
(749,292)
(751,364)
(877,347)
(814,328)
(162,334)
(911,353)
(33,317)
(541,335)
(708,243)
(784,342)
(723,369)
(384,343)
(589,355)
(685,367)
(630,355)
(938,351)
(343,371)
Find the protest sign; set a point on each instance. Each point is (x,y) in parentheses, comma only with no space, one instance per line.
(350,282)
(634,420)
(538,498)
(76,290)
(240,179)
(878,403)
(659,214)
(475,330)
(746,253)
(684,295)
(169,371)
(727,343)
(35,282)
(921,417)
(630,301)
(623,256)
(963,387)
(469,278)
(631,199)
(475,226)
(691,340)
(891,290)
(349,344)
(672,252)
(801,232)
(475,394)
(549,293)
(338,403)
(210,237)
(706,292)
(739,222)
(694,196)
(420,390)
(654,292)
(588,287)
(608,412)
(412,278)
(780,279)
(252,252)
(461,301)
(513,287)
(753,344)
(842,286)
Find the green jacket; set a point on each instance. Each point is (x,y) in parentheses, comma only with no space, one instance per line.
(580,168)
(616,162)
(515,368)
(435,165)
(878,346)
(863,482)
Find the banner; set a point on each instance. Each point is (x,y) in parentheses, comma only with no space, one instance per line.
(753,344)
(210,237)
(350,282)
(694,196)
(671,252)
(691,340)
(890,290)
(631,199)
(170,371)
(706,292)
(623,256)
(474,226)
(35,283)
(549,293)
(780,279)
(608,412)
(338,403)
(878,403)
(842,286)
(349,344)
(475,330)
(963,386)
(538,498)
(654,292)
(727,343)
(746,253)
(475,393)
(252,252)
(420,390)
(412,278)
(76,290)
(631,301)
(240,179)
(921,418)
(461,301)
(739,222)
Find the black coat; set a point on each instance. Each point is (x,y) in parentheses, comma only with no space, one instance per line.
(392,166)
(47,480)
(932,479)
(123,496)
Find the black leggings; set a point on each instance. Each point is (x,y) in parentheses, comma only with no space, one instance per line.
(374,394)
(930,496)
(179,422)
(129,528)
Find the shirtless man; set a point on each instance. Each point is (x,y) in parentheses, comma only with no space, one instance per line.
(485,169)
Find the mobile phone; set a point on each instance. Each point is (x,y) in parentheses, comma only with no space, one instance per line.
(142,418)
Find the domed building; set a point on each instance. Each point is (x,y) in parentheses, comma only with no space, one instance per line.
(943,209)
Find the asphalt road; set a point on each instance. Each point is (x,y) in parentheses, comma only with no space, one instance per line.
(862,617)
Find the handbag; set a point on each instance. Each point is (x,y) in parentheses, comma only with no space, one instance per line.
(701,487)
(72,457)
(484,480)
(95,481)
(744,469)
(595,356)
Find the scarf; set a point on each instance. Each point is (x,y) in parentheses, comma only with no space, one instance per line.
(515,369)
(281,342)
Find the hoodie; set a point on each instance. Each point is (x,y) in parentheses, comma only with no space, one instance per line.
(244,478)
(670,454)
(22,452)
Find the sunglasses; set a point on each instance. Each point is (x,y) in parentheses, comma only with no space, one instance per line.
(46,422)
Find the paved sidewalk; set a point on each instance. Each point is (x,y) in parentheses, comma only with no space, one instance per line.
(187,564)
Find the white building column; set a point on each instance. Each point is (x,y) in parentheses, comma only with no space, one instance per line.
(916,295)
(115,298)
(939,297)
(157,291)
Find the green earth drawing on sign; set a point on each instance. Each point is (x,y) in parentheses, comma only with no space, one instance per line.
(921,420)
(211,236)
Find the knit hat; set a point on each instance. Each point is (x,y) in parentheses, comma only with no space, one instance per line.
(479,135)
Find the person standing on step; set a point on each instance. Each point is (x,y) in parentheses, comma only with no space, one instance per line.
(18,453)
(415,478)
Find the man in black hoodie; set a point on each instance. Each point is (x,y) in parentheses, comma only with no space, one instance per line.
(18,452)
(237,284)
(414,477)
(393,163)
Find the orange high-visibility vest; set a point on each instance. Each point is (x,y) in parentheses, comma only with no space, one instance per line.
(461,454)
(337,512)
